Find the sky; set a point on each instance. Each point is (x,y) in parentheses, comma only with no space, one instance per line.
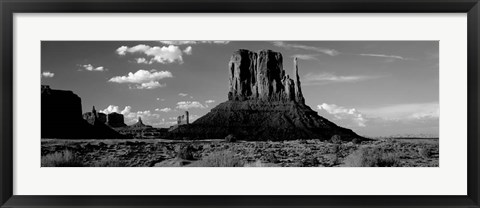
(376,88)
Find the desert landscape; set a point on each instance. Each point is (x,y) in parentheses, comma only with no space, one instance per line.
(410,152)
(265,122)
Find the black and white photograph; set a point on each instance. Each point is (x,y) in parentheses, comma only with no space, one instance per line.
(230,103)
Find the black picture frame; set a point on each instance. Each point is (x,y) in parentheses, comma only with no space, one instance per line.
(10,7)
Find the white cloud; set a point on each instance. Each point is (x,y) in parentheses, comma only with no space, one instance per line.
(330,52)
(178,42)
(324,78)
(182,94)
(185,105)
(164,110)
(143,61)
(116,109)
(306,56)
(343,113)
(150,85)
(143,79)
(160,99)
(399,119)
(405,111)
(90,67)
(126,110)
(217,42)
(210,101)
(188,50)
(110,109)
(122,50)
(47,74)
(189,42)
(382,56)
(164,54)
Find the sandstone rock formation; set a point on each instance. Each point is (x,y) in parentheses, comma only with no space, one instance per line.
(183,119)
(140,124)
(95,117)
(61,115)
(260,76)
(115,120)
(263,104)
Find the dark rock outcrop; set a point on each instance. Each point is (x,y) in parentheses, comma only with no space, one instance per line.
(140,130)
(61,114)
(336,139)
(62,118)
(94,117)
(115,120)
(230,138)
(263,104)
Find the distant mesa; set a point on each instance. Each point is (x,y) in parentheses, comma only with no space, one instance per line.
(62,118)
(181,120)
(95,117)
(263,104)
(61,115)
(115,120)
(140,124)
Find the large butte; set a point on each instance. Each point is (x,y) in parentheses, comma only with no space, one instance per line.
(263,104)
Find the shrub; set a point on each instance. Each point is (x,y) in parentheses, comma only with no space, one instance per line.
(302,141)
(335,148)
(219,159)
(425,152)
(310,162)
(336,139)
(61,159)
(110,162)
(270,158)
(259,163)
(230,138)
(356,141)
(372,157)
(185,152)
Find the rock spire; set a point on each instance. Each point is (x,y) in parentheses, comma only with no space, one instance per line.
(298,90)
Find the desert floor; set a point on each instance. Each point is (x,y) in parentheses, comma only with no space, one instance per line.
(392,152)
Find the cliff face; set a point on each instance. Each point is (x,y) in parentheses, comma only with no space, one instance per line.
(263,104)
(260,76)
(61,115)
(61,112)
